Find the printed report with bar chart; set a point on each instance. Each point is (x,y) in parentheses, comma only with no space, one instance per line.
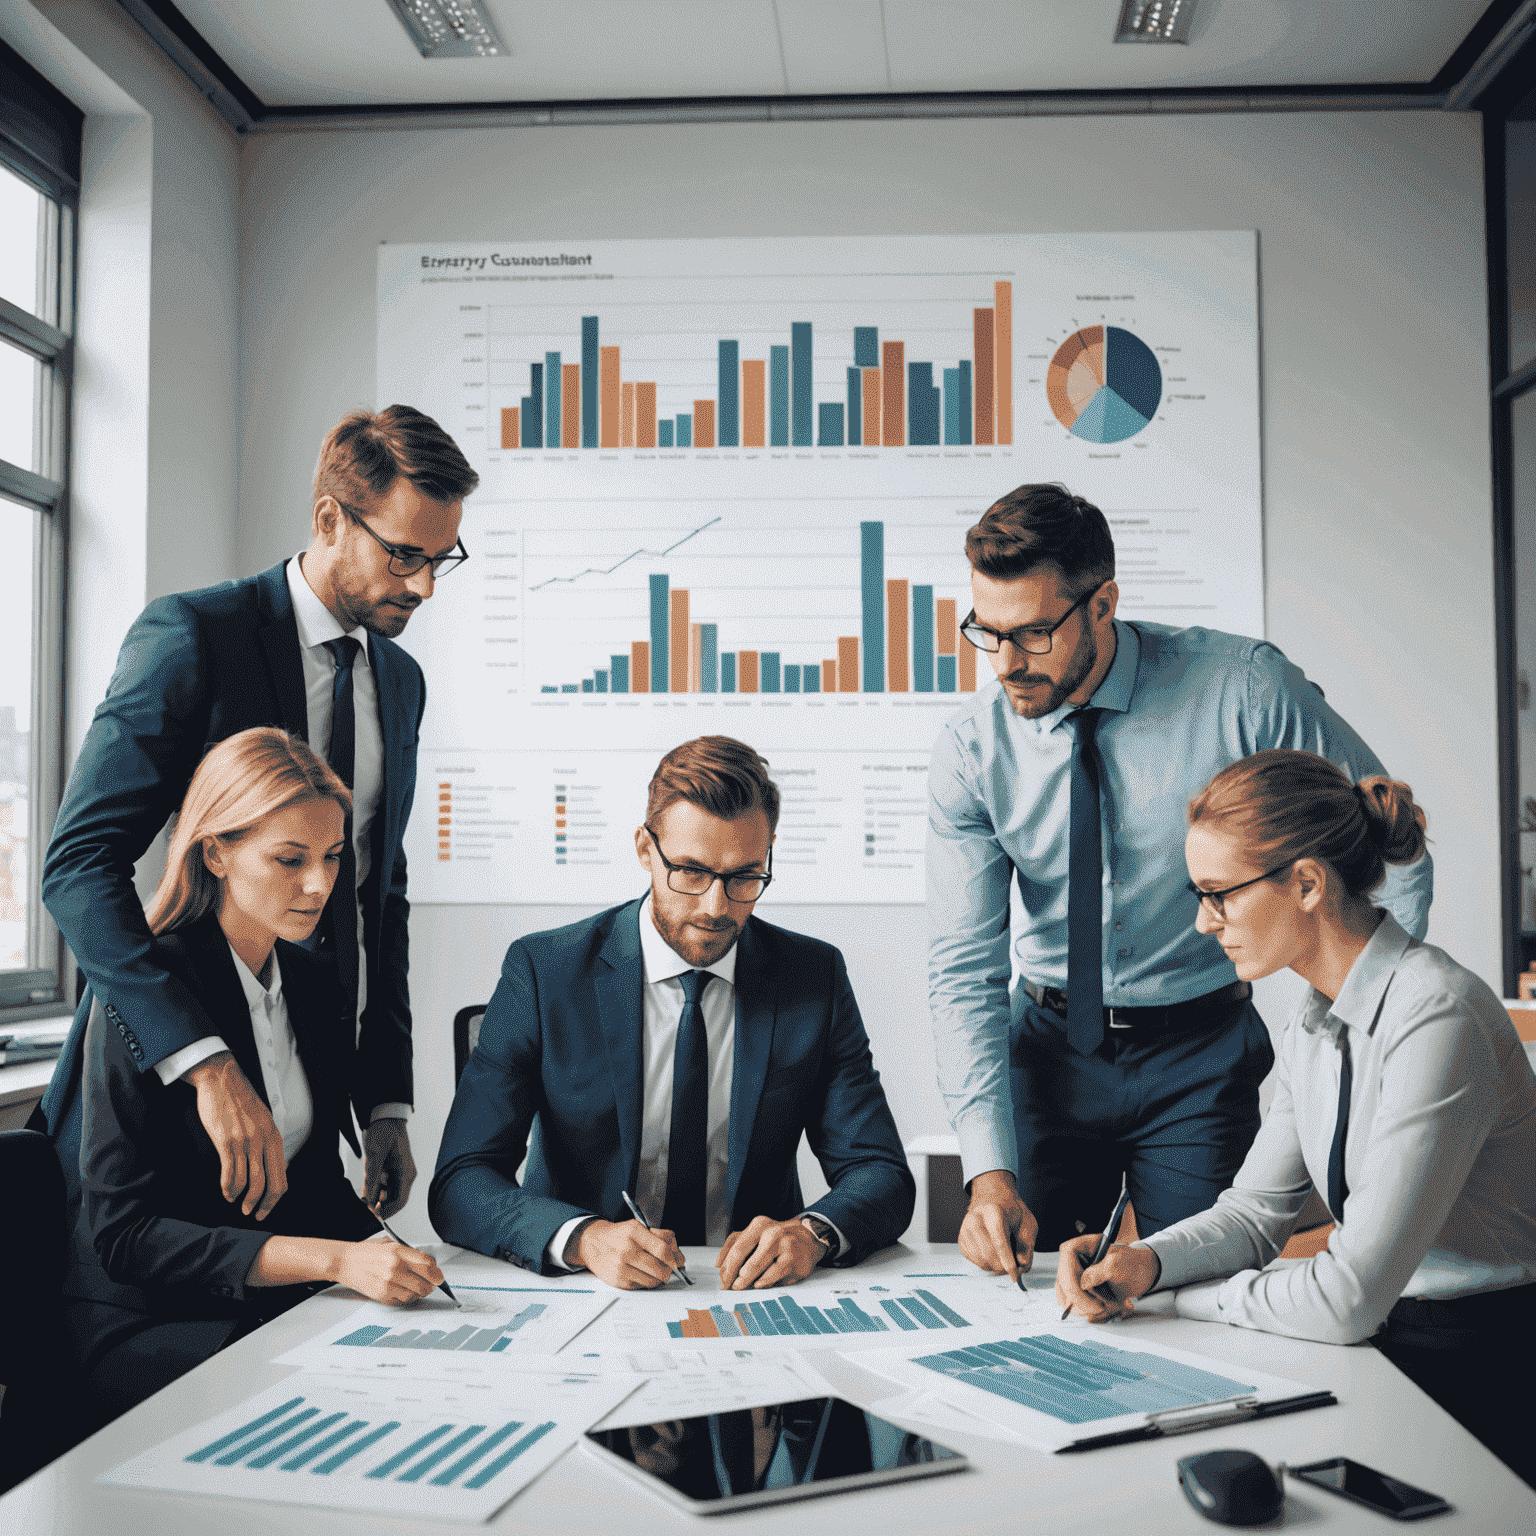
(725,488)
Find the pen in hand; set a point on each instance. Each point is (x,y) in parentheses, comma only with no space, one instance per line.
(1107,1237)
(634,1210)
(442,1285)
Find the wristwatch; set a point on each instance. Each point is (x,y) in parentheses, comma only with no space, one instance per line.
(822,1231)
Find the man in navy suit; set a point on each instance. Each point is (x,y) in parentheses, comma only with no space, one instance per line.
(306,646)
(675,1047)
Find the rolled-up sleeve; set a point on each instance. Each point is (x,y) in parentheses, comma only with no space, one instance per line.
(968,962)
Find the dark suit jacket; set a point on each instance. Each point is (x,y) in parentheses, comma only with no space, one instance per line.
(561,1043)
(154,1237)
(195,668)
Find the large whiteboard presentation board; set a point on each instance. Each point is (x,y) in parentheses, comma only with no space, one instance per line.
(725,488)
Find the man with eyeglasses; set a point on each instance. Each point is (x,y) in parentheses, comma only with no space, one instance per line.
(673,1050)
(1128,1048)
(306,646)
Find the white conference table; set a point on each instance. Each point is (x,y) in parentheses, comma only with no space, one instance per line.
(1382,1420)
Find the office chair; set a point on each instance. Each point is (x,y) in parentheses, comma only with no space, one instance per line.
(466,1030)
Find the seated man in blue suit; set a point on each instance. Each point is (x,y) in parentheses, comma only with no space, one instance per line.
(676,1047)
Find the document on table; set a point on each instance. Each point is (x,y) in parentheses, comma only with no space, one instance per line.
(1057,1385)
(682,1384)
(445,1450)
(495,1327)
(830,1310)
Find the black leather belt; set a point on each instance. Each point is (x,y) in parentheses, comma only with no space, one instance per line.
(1185,1015)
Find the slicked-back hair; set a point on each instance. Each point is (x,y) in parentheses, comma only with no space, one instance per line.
(718,774)
(367,451)
(1043,525)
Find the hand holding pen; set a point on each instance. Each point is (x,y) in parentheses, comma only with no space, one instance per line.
(442,1285)
(634,1210)
(1106,1239)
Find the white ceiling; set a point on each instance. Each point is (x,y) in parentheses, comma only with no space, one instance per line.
(355,52)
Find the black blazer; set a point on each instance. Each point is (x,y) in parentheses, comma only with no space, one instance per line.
(561,1043)
(195,668)
(154,1235)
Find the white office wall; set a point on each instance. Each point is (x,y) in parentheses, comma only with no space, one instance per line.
(1377,538)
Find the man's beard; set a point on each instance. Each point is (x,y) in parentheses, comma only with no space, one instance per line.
(697,948)
(385,618)
(1037,703)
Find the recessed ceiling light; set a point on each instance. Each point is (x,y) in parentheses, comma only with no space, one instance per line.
(450,29)
(1154,21)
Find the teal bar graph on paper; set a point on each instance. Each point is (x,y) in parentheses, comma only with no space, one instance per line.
(618,671)
(830,430)
(347,1452)
(922,639)
(947,665)
(802,367)
(487,1445)
(293,1442)
(866,346)
(778,397)
(415,1473)
(855,408)
(507,1457)
(791,678)
(728,672)
(660,629)
(685,429)
(664,429)
(600,680)
(709,660)
(320,1447)
(225,1441)
(768,673)
(728,412)
(399,1459)
(872,603)
(551,399)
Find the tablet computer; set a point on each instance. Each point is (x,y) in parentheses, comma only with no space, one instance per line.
(752,1456)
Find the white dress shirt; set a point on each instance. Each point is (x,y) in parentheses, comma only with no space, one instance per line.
(1438,1158)
(316,624)
(282,1072)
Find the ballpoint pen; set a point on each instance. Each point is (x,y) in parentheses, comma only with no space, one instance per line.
(442,1284)
(1108,1235)
(634,1210)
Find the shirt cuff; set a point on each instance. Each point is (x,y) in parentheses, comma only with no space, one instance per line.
(1202,1303)
(182,1061)
(390,1111)
(842,1242)
(555,1252)
(1178,1256)
(987,1141)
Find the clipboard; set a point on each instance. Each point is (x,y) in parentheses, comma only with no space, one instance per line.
(1185,1421)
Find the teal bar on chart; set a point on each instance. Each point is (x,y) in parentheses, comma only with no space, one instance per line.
(947,665)
(768,673)
(347,1452)
(551,399)
(589,374)
(709,659)
(778,397)
(618,673)
(600,681)
(225,1441)
(872,602)
(830,419)
(399,1459)
(802,371)
(728,411)
(791,679)
(866,346)
(664,430)
(728,672)
(922,639)
(464,1463)
(660,630)
(684,429)
(855,408)
(505,1460)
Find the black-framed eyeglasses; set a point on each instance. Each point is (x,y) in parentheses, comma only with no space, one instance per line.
(691,880)
(1217,899)
(1035,639)
(406,562)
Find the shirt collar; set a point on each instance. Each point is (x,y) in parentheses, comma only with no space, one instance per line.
(1359,999)
(316,623)
(1114,693)
(256,995)
(662,962)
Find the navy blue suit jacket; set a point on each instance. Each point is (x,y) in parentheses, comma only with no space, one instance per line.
(195,668)
(561,1044)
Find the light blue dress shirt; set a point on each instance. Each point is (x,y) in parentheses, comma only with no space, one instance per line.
(1179,705)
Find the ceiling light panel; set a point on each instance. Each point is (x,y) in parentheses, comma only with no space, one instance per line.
(450,29)
(1154,21)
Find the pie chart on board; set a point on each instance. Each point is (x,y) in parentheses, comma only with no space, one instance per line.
(1104,384)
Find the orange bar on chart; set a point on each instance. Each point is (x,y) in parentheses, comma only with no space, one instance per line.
(897,615)
(695,656)
(967,668)
(510,427)
(645,415)
(746,671)
(639,666)
(677,646)
(1004,352)
(847,663)
(893,415)
(829,677)
(610,398)
(700,1325)
(986,369)
(946,633)
(626,415)
(871,407)
(570,405)
(754,402)
(703,423)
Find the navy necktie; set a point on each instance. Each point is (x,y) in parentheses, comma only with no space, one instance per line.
(1085,894)
(687,1145)
(341,910)
(1338,1190)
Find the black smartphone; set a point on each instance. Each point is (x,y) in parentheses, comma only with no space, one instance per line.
(1386,1495)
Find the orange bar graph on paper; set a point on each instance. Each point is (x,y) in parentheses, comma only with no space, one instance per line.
(695,656)
(829,677)
(967,668)
(610,398)
(626,415)
(946,632)
(893,374)
(754,403)
(1004,348)
(703,423)
(847,663)
(511,427)
(872,397)
(677,647)
(746,671)
(570,405)
(645,415)
(898,612)
(640,666)
(986,371)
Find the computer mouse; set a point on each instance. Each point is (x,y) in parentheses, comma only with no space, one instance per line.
(1231,1487)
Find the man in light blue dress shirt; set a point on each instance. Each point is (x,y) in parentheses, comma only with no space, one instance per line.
(1087,755)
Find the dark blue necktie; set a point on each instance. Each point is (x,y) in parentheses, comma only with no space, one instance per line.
(687,1145)
(1085,894)
(1338,1190)
(341,910)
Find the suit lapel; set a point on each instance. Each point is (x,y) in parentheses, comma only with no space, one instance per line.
(756,1010)
(619,980)
(279,636)
(309,994)
(390,676)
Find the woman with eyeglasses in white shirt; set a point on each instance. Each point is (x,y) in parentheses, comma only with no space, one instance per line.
(1403,1096)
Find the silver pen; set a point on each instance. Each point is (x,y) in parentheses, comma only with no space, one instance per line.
(634,1210)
